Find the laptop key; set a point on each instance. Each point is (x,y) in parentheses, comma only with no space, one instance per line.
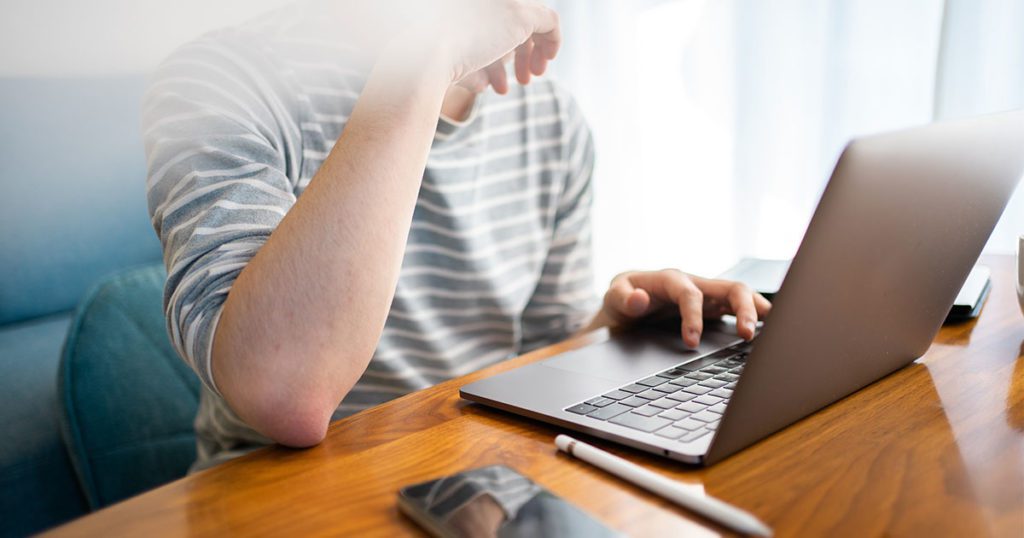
(712,426)
(671,432)
(581,409)
(664,403)
(648,410)
(640,422)
(717,408)
(721,393)
(694,435)
(651,394)
(699,364)
(727,377)
(674,414)
(681,396)
(673,373)
(617,395)
(699,376)
(612,410)
(713,383)
(698,390)
(691,407)
(652,381)
(667,388)
(689,424)
(599,401)
(634,388)
(682,382)
(706,416)
(707,400)
(714,369)
(730,386)
(634,401)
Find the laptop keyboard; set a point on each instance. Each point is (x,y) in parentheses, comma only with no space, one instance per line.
(682,403)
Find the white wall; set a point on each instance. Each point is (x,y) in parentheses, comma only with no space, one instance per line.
(94,37)
(718,122)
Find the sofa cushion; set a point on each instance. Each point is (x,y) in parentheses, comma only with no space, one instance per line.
(128,400)
(38,488)
(72,189)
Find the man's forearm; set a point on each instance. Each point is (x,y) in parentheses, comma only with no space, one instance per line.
(303,319)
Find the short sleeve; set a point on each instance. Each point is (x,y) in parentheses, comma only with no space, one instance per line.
(217,137)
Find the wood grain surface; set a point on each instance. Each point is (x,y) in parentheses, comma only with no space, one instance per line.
(936,449)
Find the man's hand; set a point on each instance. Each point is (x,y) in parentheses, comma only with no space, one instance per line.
(637,294)
(469,40)
(473,38)
(478,34)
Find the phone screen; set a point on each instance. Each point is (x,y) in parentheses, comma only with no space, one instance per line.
(494,501)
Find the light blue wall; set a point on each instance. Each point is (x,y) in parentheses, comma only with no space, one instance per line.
(72,190)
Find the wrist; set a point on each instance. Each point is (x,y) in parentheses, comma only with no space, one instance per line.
(407,63)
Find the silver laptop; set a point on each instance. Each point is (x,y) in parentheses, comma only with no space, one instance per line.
(895,234)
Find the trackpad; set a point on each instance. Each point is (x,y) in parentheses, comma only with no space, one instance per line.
(630,356)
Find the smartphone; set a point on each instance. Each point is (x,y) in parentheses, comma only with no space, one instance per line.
(494,501)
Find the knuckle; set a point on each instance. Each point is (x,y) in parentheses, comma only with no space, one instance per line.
(743,293)
(693,293)
(621,276)
(690,287)
(740,288)
(617,290)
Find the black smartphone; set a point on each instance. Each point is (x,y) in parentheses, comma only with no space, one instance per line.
(494,501)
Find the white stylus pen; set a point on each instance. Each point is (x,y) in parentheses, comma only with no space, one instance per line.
(705,505)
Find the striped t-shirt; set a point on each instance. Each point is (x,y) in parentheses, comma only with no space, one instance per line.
(236,125)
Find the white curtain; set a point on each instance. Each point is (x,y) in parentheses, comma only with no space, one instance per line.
(717,122)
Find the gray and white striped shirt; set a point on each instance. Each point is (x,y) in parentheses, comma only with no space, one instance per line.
(498,261)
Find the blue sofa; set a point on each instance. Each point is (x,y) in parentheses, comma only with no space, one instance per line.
(72,213)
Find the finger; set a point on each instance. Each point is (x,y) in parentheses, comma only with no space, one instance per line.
(741,299)
(715,288)
(624,302)
(676,287)
(763,306)
(691,307)
(715,307)
(498,77)
(523,60)
(547,35)
(637,304)
(538,64)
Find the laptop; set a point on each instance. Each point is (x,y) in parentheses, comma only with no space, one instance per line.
(765,277)
(896,232)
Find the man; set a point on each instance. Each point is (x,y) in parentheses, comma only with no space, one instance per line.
(331,244)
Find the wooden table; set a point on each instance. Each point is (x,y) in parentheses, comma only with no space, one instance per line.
(936,449)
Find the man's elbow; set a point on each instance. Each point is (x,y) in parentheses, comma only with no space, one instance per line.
(298,421)
(290,406)
(302,429)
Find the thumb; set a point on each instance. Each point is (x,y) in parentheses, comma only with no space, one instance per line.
(623,302)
